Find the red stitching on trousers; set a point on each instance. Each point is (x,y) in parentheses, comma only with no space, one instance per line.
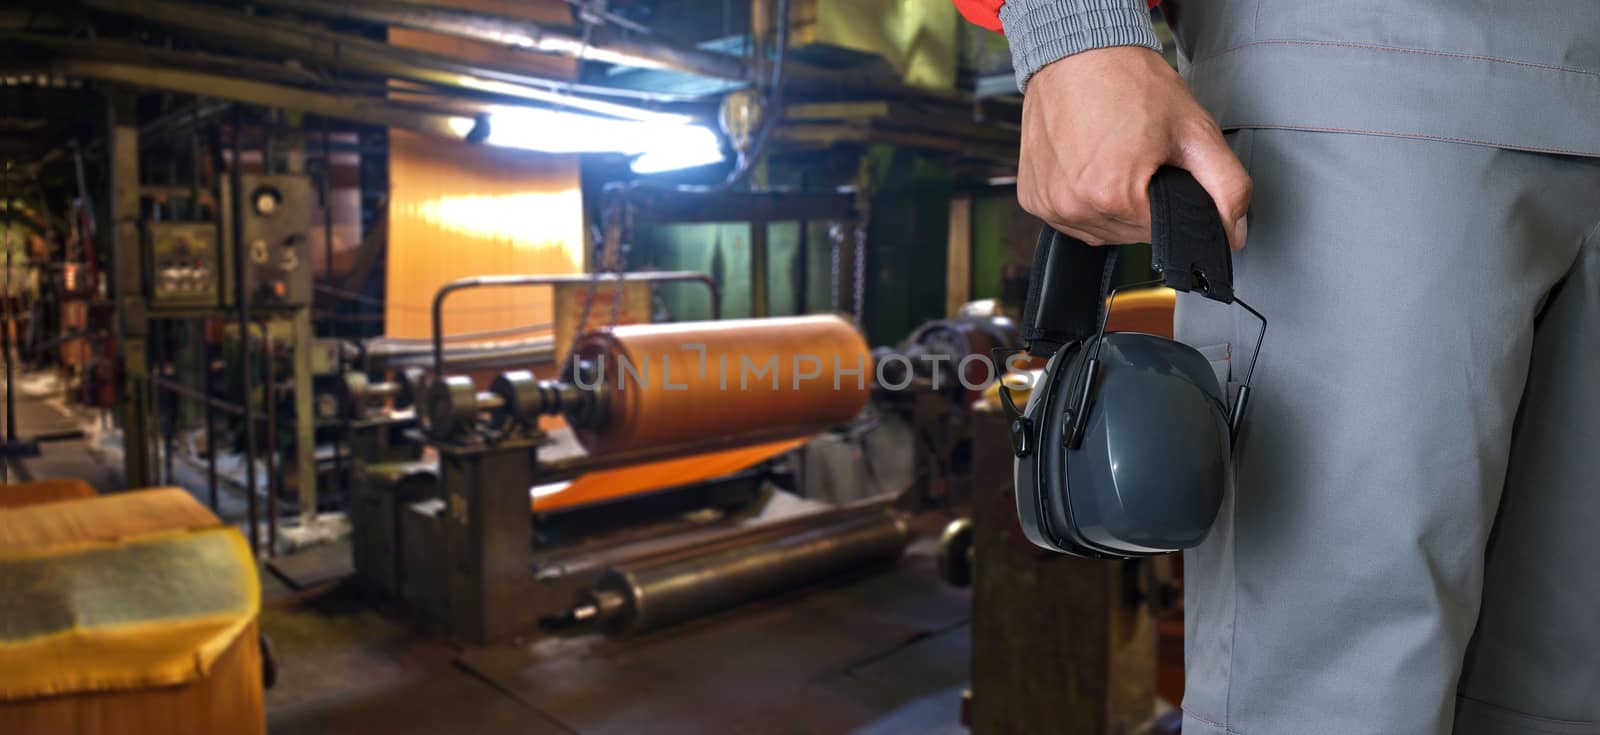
(1424,136)
(1402,50)
(1213,723)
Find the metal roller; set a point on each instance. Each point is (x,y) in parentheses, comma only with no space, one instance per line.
(515,400)
(357,395)
(669,384)
(519,394)
(455,405)
(657,593)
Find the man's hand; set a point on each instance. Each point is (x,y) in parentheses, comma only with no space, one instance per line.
(1096,126)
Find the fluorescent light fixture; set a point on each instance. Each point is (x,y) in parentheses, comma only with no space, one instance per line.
(657,161)
(566,100)
(660,145)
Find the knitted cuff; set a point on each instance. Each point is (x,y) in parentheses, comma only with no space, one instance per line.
(1044,31)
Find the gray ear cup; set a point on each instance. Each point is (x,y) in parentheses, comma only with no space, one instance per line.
(1148,473)
(1155,459)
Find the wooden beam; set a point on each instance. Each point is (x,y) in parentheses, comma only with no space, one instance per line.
(958,256)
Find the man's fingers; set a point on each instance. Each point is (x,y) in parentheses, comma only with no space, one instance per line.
(1207,156)
(1112,214)
(1097,234)
(1086,237)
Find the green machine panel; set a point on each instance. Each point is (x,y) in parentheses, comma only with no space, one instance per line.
(276,221)
(186,266)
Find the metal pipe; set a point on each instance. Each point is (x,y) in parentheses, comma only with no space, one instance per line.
(86,229)
(213,144)
(5,347)
(345,107)
(327,272)
(519,33)
(269,390)
(347,51)
(464,284)
(327,204)
(482,336)
(521,353)
(232,409)
(203,351)
(653,594)
(236,221)
(168,419)
(311,44)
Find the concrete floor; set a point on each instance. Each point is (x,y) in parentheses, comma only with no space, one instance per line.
(881,655)
(40,409)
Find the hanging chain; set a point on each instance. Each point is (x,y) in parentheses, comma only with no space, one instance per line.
(863,206)
(615,229)
(859,298)
(836,238)
(619,264)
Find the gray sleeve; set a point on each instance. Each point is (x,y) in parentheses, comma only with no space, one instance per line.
(1043,31)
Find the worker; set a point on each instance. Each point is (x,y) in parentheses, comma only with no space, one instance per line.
(1409,546)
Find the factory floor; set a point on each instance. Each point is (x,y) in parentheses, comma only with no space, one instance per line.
(42,409)
(880,655)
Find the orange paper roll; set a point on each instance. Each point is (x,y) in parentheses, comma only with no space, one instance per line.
(676,384)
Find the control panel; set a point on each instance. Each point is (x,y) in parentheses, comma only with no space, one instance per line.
(185,264)
(276,218)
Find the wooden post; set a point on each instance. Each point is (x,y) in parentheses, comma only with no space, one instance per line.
(1059,644)
(759,300)
(128,292)
(958,256)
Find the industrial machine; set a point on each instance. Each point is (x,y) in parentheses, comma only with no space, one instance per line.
(629,490)
(223,293)
(942,365)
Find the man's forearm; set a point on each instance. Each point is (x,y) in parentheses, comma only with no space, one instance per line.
(1044,31)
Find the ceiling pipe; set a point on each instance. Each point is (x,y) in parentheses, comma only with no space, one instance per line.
(525,34)
(322,47)
(361,110)
(300,41)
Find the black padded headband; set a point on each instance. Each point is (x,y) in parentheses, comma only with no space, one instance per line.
(1070,281)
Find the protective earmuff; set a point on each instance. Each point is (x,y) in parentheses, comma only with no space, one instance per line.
(1126,444)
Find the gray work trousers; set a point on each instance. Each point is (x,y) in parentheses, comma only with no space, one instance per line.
(1413,541)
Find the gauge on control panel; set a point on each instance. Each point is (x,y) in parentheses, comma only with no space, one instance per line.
(276,219)
(265,200)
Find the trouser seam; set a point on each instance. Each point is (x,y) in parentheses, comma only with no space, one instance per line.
(1588,241)
(1225,729)
(1233,538)
(1527,720)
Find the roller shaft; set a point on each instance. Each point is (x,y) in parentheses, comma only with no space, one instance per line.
(655,594)
(649,386)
